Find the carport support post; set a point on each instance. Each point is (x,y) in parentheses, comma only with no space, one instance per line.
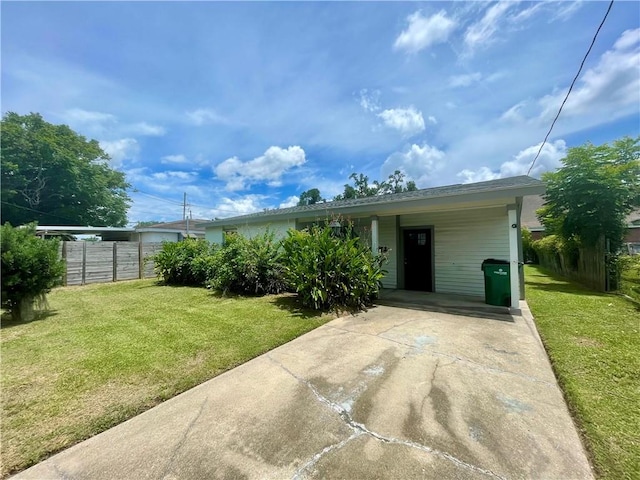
(374,235)
(513,256)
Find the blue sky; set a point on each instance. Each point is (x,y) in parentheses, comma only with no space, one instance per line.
(245,105)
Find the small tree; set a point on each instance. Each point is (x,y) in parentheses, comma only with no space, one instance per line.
(309,197)
(31,267)
(591,195)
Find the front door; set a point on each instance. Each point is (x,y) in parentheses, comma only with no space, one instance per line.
(418,273)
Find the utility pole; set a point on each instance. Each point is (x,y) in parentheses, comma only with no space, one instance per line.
(184,207)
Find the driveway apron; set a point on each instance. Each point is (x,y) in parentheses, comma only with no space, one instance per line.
(395,393)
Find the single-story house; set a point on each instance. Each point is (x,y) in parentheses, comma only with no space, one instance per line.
(160,232)
(530,220)
(436,238)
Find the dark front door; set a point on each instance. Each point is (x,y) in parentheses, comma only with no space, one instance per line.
(418,271)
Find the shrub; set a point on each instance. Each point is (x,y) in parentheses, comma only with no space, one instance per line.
(249,266)
(31,267)
(332,272)
(184,263)
(529,253)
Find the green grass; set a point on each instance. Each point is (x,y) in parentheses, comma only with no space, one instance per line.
(105,353)
(593,341)
(630,283)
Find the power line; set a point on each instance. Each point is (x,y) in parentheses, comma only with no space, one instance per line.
(593,41)
(38,211)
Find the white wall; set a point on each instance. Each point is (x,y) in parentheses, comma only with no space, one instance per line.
(150,237)
(462,240)
(387,238)
(279,228)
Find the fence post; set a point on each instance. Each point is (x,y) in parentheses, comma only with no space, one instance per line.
(65,275)
(84,262)
(114,277)
(140,261)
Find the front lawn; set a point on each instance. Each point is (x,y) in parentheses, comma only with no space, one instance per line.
(107,352)
(593,341)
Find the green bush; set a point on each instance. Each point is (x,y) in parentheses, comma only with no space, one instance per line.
(185,263)
(31,267)
(529,253)
(331,272)
(249,266)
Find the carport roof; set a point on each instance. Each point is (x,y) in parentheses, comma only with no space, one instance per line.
(519,186)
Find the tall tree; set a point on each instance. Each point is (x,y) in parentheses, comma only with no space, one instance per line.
(590,196)
(52,175)
(362,188)
(310,197)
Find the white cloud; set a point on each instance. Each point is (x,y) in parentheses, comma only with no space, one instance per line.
(292,201)
(178,159)
(78,115)
(423,32)
(481,33)
(417,162)
(514,114)
(548,160)
(432,120)
(567,10)
(203,116)
(370,100)
(612,87)
(464,80)
(267,168)
(173,175)
(143,128)
(121,150)
(408,121)
(240,206)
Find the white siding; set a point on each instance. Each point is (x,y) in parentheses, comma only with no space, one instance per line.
(214,235)
(387,238)
(154,237)
(462,240)
(278,228)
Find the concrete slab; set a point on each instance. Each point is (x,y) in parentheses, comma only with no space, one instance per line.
(389,393)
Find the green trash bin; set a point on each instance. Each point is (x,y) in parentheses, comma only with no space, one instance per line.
(497,282)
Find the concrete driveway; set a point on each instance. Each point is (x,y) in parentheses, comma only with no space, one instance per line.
(393,393)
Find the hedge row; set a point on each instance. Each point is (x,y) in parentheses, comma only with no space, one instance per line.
(328,271)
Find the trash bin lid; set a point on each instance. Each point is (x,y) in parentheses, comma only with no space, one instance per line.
(493,261)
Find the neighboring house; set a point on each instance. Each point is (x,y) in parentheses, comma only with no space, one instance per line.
(530,220)
(435,238)
(170,231)
(160,232)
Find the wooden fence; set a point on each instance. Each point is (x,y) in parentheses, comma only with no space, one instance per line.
(589,268)
(98,262)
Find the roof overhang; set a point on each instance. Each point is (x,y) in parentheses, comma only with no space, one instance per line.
(393,206)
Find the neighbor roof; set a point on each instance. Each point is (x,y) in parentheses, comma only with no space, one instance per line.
(503,184)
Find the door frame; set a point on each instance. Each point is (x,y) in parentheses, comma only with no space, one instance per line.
(400,256)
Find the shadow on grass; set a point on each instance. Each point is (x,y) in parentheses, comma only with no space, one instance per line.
(6,321)
(290,303)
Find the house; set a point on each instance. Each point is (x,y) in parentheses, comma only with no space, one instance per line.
(160,232)
(436,238)
(170,231)
(530,220)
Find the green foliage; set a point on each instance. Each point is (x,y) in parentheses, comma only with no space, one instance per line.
(52,175)
(528,251)
(591,195)
(362,188)
(249,266)
(31,267)
(331,272)
(185,263)
(310,197)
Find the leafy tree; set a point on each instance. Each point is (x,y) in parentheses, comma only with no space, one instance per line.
(362,188)
(591,195)
(31,267)
(52,175)
(146,223)
(310,197)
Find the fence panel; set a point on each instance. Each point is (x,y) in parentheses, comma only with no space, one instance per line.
(99,262)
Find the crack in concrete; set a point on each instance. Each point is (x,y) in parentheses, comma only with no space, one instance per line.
(316,458)
(179,445)
(360,429)
(454,357)
(62,475)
